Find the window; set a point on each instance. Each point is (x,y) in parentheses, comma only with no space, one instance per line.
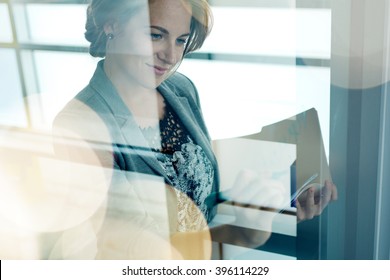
(6,30)
(12,110)
(265,61)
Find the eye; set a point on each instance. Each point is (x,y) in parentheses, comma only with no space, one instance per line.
(156,36)
(182,41)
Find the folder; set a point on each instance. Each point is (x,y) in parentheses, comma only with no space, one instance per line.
(302,130)
(292,146)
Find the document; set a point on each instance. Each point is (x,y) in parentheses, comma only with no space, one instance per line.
(290,151)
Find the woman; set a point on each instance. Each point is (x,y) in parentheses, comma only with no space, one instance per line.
(142,120)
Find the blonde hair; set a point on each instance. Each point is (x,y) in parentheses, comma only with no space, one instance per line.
(101,12)
(201,24)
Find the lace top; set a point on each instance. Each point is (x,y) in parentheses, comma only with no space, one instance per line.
(187,166)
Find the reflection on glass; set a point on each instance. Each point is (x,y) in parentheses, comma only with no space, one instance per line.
(62,31)
(6,31)
(12,111)
(268,31)
(133,172)
(57,87)
(260,95)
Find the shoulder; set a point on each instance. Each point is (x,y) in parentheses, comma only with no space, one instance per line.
(180,80)
(182,86)
(82,115)
(86,102)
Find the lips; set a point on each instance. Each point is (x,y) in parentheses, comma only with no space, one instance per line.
(158,70)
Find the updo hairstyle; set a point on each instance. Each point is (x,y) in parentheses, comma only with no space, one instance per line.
(101,12)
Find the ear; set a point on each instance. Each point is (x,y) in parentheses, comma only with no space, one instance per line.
(110,27)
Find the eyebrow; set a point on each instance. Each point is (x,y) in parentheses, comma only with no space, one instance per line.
(163,30)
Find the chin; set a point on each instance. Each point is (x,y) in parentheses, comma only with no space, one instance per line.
(159,81)
(152,83)
(149,83)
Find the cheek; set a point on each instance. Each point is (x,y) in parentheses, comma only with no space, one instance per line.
(135,66)
(136,44)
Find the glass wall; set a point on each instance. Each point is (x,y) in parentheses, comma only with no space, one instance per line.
(264,67)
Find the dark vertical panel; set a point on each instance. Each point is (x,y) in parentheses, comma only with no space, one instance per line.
(357,68)
(382,241)
(338,162)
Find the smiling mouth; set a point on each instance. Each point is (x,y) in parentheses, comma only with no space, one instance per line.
(159,70)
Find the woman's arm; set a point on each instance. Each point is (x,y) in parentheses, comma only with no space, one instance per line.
(128,212)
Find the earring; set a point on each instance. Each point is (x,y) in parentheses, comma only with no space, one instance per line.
(110,36)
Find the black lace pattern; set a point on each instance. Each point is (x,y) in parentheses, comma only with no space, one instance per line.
(188,167)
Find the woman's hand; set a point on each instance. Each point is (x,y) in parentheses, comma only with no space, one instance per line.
(314,200)
(251,196)
(258,190)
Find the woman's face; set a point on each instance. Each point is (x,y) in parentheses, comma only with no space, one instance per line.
(150,44)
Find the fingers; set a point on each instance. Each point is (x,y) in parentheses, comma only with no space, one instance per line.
(325,197)
(314,202)
(300,212)
(252,188)
(310,205)
(261,190)
(244,186)
(328,193)
(307,208)
(333,189)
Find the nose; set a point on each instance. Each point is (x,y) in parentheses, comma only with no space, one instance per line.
(170,53)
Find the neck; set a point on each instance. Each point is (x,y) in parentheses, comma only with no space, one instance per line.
(146,104)
(126,85)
